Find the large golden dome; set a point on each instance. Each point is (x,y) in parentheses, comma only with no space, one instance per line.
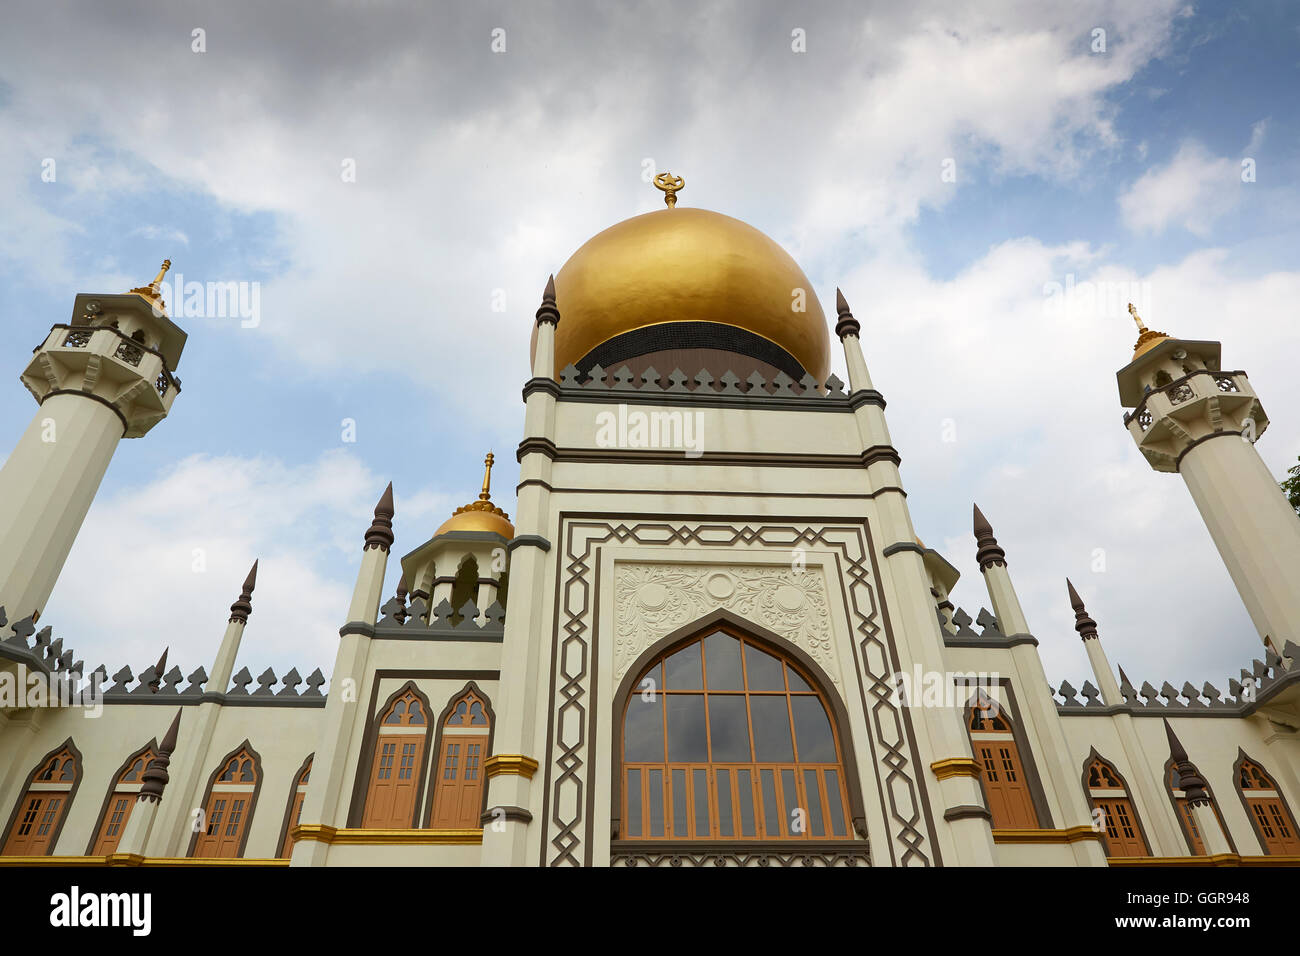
(689,266)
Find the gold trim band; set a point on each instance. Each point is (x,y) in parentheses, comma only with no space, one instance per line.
(135,859)
(1068,835)
(1219,859)
(510,763)
(322,833)
(955,767)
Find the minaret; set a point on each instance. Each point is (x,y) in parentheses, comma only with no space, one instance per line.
(1039,709)
(1192,418)
(191,769)
(1198,800)
(516,746)
(135,838)
(324,805)
(104,376)
(1087,628)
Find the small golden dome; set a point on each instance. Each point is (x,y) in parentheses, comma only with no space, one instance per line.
(481,515)
(1147,340)
(687,265)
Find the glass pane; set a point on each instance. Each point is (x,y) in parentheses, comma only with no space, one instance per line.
(643,731)
(791,795)
(724,803)
(656,803)
(633,822)
(682,670)
(722,658)
(771,729)
(745,790)
(762,670)
(813,730)
(702,803)
(771,808)
(797,684)
(837,807)
(814,798)
(686,736)
(729,728)
(680,829)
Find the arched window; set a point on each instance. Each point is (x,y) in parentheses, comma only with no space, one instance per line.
(121,799)
(228,807)
(458,775)
(293,814)
(39,815)
(1187,819)
(1268,812)
(399,753)
(465,587)
(1005,786)
(722,739)
(1107,792)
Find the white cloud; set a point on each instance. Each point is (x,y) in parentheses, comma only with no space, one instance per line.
(160,564)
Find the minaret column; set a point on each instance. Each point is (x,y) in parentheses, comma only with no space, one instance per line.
(133,846)
(96,384)
(1198,799)
(1087,628)
(324,805)
(514,785)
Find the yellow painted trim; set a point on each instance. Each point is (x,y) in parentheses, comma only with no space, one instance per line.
(322,833)
(510,763)
(1221,859)
(955,767)
(134,859)
(1068,835)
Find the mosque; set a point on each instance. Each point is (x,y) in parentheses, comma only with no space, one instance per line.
(707,637)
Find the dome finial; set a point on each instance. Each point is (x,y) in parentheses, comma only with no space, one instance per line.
(150,291)
(1147,339)
(485,494)
(1132,310)
(670,184)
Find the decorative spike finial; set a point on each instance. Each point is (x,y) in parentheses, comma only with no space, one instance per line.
(987,553)
(243,605)
(151,291)
(402,589)
(670,185)
(1132,310)
(158,669)
(548,311)
(155,775)
(1146,338)
(1084,624)
(486,493)
(1189,779)
(847,324)
(380,532)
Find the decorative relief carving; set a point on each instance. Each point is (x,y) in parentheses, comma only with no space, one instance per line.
(655,599)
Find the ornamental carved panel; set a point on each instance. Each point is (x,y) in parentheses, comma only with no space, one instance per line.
(655,599)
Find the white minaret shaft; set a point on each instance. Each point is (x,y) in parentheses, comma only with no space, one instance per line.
(105,376)
(1193,418)
(139,825)
(1192,784)
(1087,628)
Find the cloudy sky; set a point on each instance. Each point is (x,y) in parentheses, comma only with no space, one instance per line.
(948,168)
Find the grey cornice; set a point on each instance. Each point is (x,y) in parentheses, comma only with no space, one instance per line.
(90,395)
(614,396)
(442,635)
(1178,462)
(541,384)
(533,445)
(357,627)
(224,700)
(1008,642)
(866,396)
(902,546)
(528,541)
(966,811)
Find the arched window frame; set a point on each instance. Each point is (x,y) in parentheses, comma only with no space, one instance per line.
(1024,759)
(118,787)
(247,821)
(365,766)
(1242,759)
(1125,794)
(1179,804)
(471,687)
(772,643)
(56,827)
(293,808)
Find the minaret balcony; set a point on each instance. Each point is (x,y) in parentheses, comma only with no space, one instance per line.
(1171,418)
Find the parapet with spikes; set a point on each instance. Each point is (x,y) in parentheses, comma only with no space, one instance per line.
(652,386)
(418,621)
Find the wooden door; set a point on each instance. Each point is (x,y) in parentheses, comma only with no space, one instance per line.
(37,820)
(1121,832)
(458,799)
(394,781)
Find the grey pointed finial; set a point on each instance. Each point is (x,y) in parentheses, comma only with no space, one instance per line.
(158,670)
(548,311)
(380,533)
(155,775)
(1084,624)
(243,606)
(847,324)
(1189,780)
(987,553)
